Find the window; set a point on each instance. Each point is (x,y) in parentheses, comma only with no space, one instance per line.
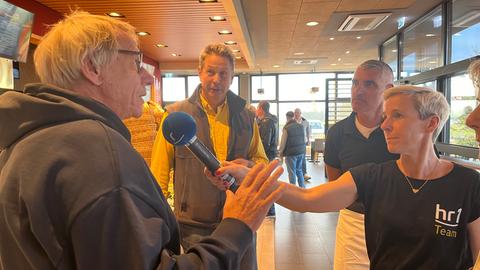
(390,54)
(465,30)
(431,84)
(269,86)
(314,112)
(294,87)
(193,82)
(422,42)
(173,89)
(462,102)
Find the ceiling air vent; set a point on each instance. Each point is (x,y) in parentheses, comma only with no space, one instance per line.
(305,62)
(363,22)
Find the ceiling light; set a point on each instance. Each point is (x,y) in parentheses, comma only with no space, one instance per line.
(143,33)
(236,51)
(275,66)
(115,14)
(358,37)
(430,35)
(347,52)
(207,1)
(224,32)
(333,64)
(217,18)
(339,59)
(298,53)
(176,54)
(161,45)
(238,57)
(230,42)
(394,50)
(332,38)
(312,23)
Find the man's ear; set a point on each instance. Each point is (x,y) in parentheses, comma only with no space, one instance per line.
(433,123)
(91,72)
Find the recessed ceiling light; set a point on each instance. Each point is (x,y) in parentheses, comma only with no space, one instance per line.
(339,59)
(224,32)
(332,38)
(116,14)
(333,64)
(275,66)
(430,35)
(236,51)
(230,42)
(347,52)
(207,1)
(161,45)
(176,54)
(298,53)
(238,57)
(217,18)
(141,33)
(312,23)
(358,37)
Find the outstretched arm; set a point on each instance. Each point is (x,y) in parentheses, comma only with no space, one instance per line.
(331,196)
(328,197)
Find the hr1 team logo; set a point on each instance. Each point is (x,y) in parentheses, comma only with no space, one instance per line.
(446,221)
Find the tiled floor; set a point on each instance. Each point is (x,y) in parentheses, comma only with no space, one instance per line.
(302,240)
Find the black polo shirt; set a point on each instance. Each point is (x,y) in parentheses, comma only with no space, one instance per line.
(345,148)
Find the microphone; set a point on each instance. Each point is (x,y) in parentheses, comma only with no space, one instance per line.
(179,129)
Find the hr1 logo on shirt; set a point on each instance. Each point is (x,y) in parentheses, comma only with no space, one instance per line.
(446,222)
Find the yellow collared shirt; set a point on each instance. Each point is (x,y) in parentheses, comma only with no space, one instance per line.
(163,152)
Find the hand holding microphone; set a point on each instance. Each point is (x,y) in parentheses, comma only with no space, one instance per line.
(179,129)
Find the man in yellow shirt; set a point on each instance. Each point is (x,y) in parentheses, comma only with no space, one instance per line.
(228,129)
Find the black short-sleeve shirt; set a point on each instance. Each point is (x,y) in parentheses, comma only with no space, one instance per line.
(424,230)
(345,148)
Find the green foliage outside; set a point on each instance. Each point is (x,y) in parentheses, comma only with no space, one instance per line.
(460,134)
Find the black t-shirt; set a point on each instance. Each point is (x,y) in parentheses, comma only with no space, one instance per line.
(424,230)
(346,148)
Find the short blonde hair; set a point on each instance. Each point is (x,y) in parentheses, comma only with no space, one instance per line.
(474,70)
(219,50)
(59,56)
(426,101)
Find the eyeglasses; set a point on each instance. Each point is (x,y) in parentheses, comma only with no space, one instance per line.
(138,58)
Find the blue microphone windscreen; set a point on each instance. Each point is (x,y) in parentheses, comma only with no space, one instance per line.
(179,128)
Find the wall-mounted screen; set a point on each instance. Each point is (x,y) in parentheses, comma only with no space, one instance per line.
(15,30)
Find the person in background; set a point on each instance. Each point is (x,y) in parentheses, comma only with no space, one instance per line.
(421,212)
(228,129)
(308,132)
(356,140)
(74,194)
(267,126)
(144,129)
(292,148)
(473,119)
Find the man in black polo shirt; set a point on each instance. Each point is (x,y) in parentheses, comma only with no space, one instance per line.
(353,141)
